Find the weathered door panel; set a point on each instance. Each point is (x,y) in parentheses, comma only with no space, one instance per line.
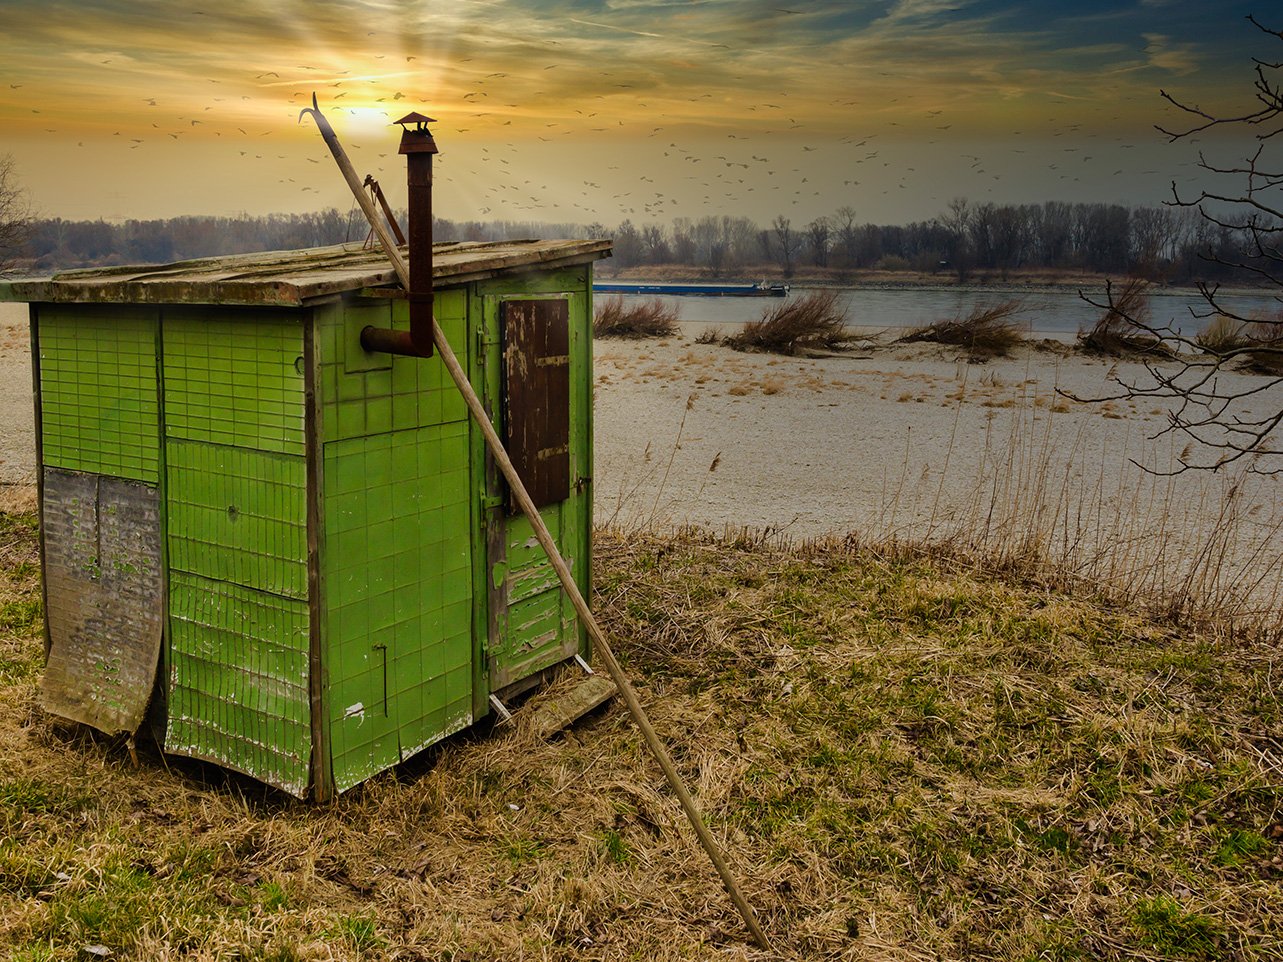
(532,623)
(536,404)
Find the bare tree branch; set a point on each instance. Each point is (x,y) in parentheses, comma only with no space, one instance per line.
(15,212)
(1209,379)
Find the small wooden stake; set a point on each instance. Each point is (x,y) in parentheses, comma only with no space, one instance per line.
(527,506)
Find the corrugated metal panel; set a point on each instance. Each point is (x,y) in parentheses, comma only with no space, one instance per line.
(104,587)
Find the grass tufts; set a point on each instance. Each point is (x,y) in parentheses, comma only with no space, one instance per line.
(989,330)
(1265,347)
(1221,335)
(1258,344)
(812,322)
(650,318)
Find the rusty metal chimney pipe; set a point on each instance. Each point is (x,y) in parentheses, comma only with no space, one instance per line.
(418,146)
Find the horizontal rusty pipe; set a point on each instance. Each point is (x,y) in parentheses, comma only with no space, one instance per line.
(382,340)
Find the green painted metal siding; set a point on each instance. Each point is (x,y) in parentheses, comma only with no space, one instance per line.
(396,549)
(235,494)
(238,669)
(238,515)
(235,378)
(98,391)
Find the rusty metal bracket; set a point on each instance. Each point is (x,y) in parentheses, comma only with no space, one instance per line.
(377,193)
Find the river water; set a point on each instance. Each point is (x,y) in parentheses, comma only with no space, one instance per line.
(1059,314)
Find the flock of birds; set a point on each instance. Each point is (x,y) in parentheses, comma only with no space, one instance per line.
(794,167)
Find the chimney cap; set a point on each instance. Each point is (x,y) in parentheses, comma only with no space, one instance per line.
(415,118)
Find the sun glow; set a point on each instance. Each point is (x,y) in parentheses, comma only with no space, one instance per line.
(368,124)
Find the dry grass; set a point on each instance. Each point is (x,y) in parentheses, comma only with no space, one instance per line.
(907,756)
(650,318)
(1258,344)
(1221,334)
(811,322)
(1042,500)
(989,330)
(1265,340)
(1118,331)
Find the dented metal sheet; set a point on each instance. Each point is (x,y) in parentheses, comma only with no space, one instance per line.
(104,583)
(536,354)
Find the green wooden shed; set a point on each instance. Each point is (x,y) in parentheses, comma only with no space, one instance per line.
(289,555)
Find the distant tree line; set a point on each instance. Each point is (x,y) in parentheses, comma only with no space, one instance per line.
(1174,243)
(55,244)
(965,240)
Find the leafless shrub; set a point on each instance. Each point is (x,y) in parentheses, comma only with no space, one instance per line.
(812,322)
(651,318)
(710,335)
(1123,328)
(989,330)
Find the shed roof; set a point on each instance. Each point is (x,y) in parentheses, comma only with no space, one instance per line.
(293,278)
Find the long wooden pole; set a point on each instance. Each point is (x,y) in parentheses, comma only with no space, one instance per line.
(519,493)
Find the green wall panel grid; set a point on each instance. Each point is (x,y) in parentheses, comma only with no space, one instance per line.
(98,391)
(396,592)
(234,381)
(238,515)
(363,393)
(238,674)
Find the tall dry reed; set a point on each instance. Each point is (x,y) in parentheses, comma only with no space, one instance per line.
(1048,501)
(1122,329)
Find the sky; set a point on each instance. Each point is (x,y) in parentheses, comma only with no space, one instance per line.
(599,110)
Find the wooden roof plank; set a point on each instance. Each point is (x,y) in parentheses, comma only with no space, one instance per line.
(291,278)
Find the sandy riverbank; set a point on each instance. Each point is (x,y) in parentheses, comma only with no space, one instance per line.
(914,442)
(906,441)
